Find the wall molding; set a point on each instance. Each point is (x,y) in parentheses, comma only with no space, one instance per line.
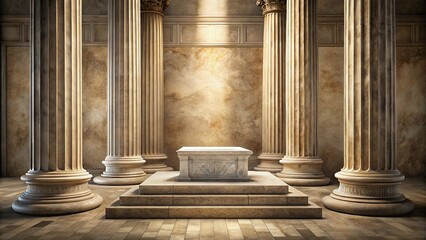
(214,31)
(15,30)
(247,31)
(95,30)
(410,30)
(184,31)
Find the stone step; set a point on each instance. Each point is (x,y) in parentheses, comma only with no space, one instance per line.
(200,212)
(166,183)
(264,196)
(133,198)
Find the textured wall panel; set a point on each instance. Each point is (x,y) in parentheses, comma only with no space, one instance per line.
(95,61)
(17,115)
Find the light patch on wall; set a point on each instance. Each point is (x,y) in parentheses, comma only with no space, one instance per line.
(211,33)
(218,6)
(205,32)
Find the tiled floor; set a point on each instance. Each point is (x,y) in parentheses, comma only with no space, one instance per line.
(93,225)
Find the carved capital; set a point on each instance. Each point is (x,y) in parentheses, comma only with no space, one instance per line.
(269,6)
(154,5)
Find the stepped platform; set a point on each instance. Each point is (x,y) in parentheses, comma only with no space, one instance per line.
(163,196)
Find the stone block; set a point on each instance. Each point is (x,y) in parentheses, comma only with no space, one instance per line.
(213,163)
(167,183)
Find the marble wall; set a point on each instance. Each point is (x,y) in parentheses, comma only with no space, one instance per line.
(17,110)
(213,97)
(95,108)
(411,110)
(330,108)
(213,94)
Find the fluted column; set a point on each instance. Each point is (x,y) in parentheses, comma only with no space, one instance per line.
(123,164)
(273,108)
(153,85)
(301,164)
(57,183)
(369,179)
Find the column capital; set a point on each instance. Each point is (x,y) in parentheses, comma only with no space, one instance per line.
(154,5)
(269,6)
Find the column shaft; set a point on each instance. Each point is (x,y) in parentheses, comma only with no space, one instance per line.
(369,179)
(57,182)
(153,85)
(273,107)
(301,164)
(124,162)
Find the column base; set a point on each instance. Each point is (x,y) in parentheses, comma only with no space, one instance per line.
(155,163)
(304,181)
(368,209)
(101,180)
(122,171)
(56,193)
(370,193)
(36,208)
(303,171)
(269,163)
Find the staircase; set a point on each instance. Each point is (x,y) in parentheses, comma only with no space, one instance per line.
(263,196)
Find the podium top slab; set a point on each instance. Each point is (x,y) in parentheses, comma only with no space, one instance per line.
(214,150)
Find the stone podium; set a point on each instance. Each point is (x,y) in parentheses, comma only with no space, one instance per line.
(213,182)
(213,163)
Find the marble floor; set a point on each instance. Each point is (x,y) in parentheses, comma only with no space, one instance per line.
(93,225)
